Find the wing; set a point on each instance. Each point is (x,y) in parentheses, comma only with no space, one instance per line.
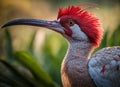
(104,67)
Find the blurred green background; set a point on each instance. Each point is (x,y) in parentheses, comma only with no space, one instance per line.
(31,56)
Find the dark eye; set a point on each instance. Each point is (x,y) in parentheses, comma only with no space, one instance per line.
(71,22)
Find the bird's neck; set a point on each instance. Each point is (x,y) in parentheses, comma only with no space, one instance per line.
(79,50)
(74,66)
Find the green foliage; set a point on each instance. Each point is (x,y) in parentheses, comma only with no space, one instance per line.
(19,79)
(31,47)
(8,47)
(110,40)
(25,69)
(30,63)
(53,52)
(115,37)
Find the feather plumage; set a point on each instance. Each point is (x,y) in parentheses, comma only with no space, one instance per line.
(87,21)
(104,67)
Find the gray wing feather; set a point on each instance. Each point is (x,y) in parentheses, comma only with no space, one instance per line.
(104,67)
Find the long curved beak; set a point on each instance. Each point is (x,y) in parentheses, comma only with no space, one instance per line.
(53,25)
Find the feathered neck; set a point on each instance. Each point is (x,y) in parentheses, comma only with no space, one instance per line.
(74,66)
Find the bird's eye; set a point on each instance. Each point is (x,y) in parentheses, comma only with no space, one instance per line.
(71,22)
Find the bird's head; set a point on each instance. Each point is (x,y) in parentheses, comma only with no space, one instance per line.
(72,22)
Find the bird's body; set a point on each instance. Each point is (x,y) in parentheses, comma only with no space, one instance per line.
(104,67)
(84,33)
(101,70)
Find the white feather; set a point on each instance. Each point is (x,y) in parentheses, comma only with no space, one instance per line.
(78,33)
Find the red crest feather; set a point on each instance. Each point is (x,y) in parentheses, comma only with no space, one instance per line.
(87,21)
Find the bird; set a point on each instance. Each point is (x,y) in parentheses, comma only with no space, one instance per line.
(83,31)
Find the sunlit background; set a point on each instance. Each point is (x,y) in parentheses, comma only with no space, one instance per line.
(45,46)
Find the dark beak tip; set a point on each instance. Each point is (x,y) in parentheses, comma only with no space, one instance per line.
(1,27)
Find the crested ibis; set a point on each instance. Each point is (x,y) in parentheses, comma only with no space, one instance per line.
(84,32)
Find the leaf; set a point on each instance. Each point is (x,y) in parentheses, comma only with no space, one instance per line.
(51,57)
(114,40)
(5,78)
(8,45)
(30,63)
(31,45)
(25,79)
